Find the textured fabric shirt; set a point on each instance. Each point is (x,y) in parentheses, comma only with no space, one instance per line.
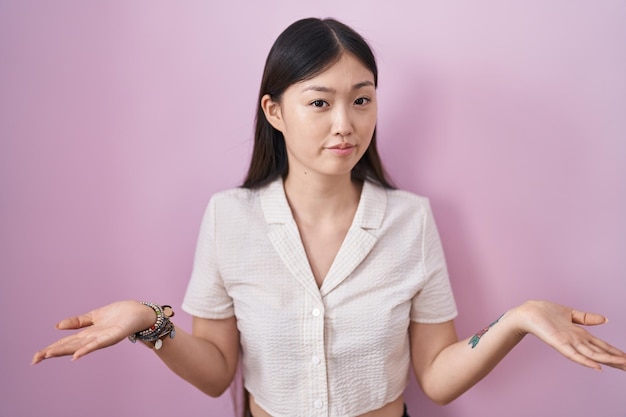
(339,350)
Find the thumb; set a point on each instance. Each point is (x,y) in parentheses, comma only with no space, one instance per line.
(587,319)
(75,322)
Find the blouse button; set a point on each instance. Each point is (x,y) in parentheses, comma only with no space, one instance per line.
(318,404)
(316,360)
(316,312)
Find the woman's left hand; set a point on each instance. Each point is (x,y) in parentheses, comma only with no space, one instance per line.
(559,327)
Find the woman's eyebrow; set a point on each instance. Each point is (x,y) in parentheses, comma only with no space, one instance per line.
(323,89)
(363,84)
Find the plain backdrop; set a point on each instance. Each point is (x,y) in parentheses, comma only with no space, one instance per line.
(119,119)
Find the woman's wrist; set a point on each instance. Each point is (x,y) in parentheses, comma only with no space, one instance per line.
(524,316)
(159,329)
(146,315)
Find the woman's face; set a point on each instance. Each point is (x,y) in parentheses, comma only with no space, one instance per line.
(327,121)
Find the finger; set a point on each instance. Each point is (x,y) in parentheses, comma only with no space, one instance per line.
(593,349)
(609,355)
(603,357)
(587,319)
(58,348)
(601,344)
(590,351)
(617,366)
(87,348)
(45,354)
(37,357)
(67,345)
(76,322)
(573,354)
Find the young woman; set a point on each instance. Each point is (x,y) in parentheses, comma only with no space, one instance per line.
(327,282)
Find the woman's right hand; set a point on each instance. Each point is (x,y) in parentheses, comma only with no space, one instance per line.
(102,327)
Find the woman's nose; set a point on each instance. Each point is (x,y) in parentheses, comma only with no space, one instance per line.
(342,123)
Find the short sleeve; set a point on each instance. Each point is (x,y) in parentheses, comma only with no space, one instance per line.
(434,303)
(206,295)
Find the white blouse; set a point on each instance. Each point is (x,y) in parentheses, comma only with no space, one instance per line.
(338,350)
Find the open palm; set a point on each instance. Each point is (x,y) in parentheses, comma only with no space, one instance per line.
(102,327)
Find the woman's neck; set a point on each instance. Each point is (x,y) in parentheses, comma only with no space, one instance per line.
(312,200)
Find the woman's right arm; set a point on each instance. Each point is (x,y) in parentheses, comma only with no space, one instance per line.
(206,358)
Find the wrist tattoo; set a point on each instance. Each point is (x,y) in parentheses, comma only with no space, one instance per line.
(476,338)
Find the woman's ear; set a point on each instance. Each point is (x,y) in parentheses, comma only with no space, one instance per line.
(272,112)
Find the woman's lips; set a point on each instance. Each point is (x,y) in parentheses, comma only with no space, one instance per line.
(342,150)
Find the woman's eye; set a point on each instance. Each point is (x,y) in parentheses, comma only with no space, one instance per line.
(318,103)
(361,101)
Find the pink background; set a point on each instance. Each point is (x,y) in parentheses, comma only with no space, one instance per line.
(118,120)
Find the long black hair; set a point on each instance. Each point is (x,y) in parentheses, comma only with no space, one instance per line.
(305,49)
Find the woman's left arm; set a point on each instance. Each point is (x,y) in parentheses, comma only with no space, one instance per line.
(445,367)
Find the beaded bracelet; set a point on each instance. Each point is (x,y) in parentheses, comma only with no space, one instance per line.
(162,326)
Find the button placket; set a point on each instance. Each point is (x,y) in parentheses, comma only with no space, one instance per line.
(316,351)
